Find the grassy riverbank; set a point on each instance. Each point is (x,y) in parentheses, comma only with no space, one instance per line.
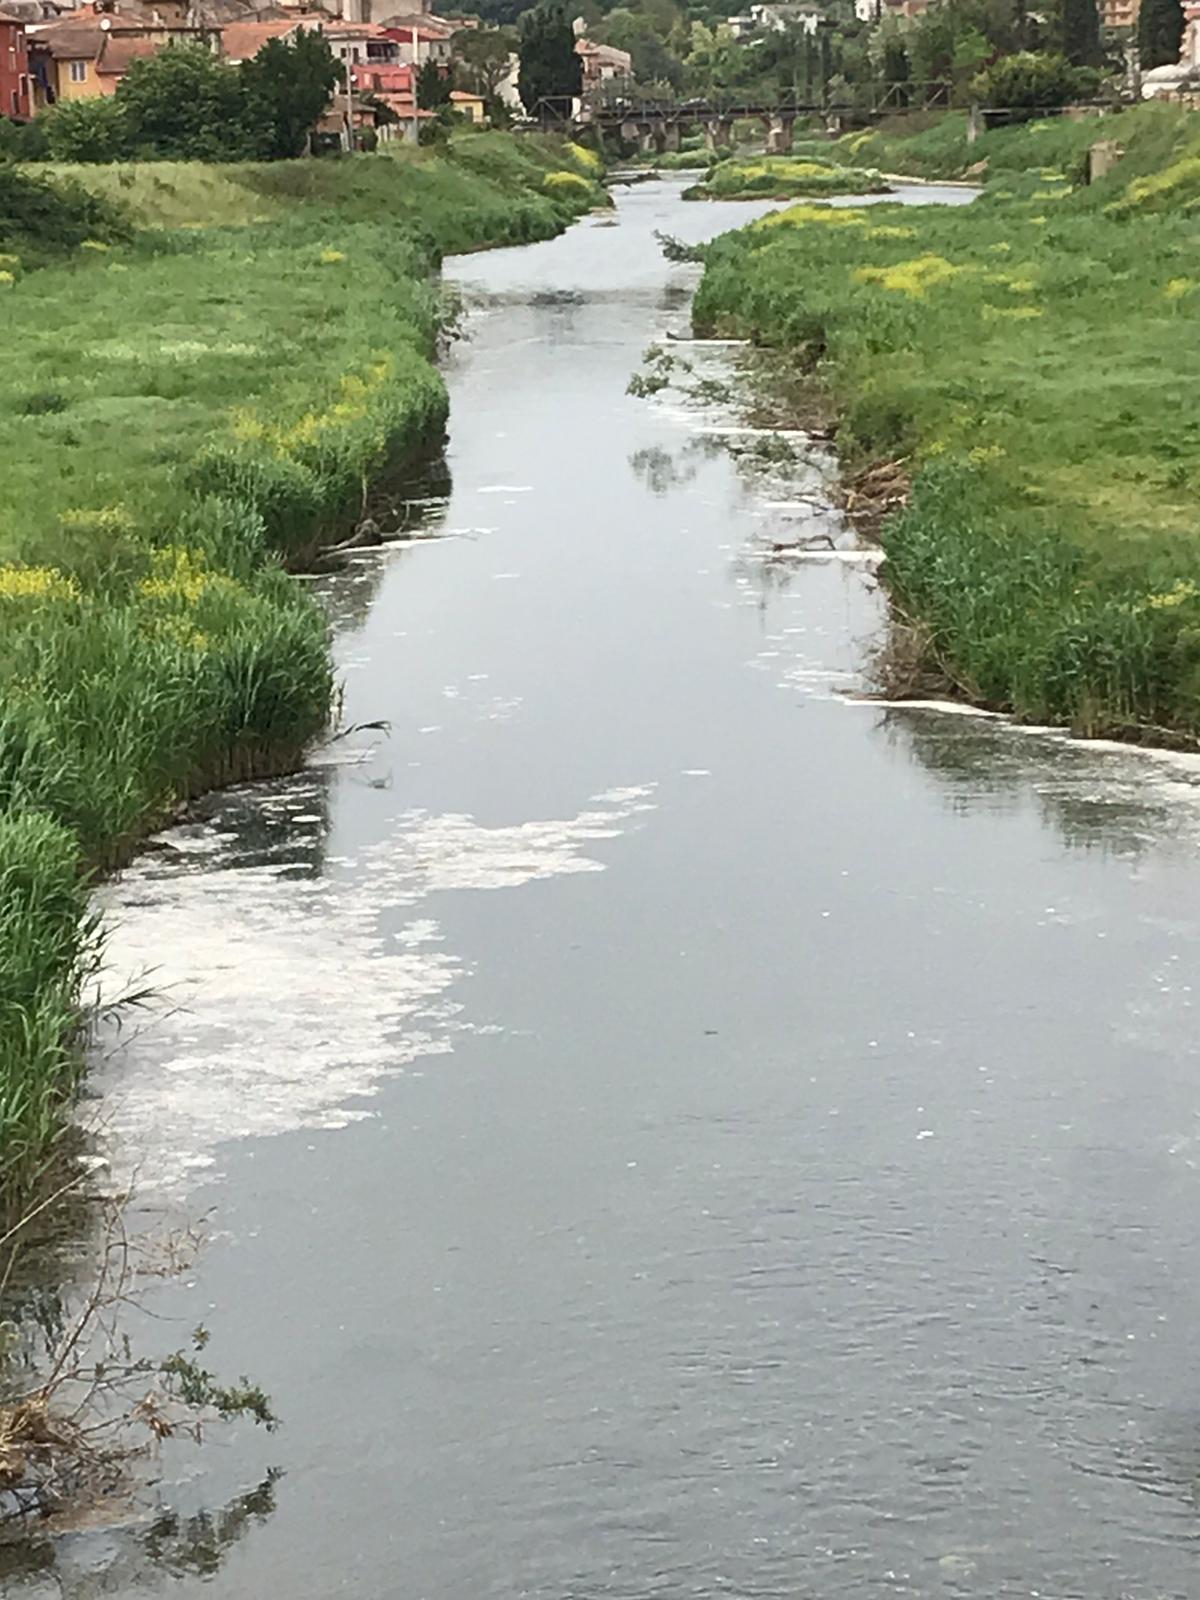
(194,395)
(1028,360)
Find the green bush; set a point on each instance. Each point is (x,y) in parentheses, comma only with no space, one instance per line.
(1030,82)
(87,130)
(48,216)
(23,141)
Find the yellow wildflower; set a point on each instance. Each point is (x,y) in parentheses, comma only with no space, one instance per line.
(1015,313)
(913,277)
(827,216)
(1001,247)
(7,277)
(37,584)
(181,577)
(330,258)
(1178,287)
(983,453)
(1183,590)
(109,520)
(179,631)
(890,231)
(95,244)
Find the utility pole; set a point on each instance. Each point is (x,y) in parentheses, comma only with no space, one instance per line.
(349,57)
(416,72)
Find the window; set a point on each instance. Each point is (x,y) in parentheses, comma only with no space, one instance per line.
(79,72)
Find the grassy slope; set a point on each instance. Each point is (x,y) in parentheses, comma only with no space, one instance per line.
(177,417)
(1032,358)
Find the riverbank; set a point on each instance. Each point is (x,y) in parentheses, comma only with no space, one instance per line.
(196,395)
(1025,362)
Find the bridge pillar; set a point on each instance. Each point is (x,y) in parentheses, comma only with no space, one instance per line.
(651,138)
(629,131)
(718,134)
(671,136)
(780,134)
(975,123)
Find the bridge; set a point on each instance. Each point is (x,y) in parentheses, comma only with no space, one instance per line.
(658,125)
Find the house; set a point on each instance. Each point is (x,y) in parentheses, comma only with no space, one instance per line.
(421,37)
(1189,56)
(16,83)
(389,84)
(1119,13)
(469,105)
(602,62)
(776,19)
(91,50)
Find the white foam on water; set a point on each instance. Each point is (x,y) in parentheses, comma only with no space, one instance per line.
(280,1000)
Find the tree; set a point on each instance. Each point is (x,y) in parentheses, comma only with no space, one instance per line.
(1079,31)
(287,87)
(433,86)
(87,130)
(1031,82)
(634,32)
(184,104)
(483,56)
(1159,33)
(550,65)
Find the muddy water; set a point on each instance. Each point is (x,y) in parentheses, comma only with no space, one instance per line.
(671,1128)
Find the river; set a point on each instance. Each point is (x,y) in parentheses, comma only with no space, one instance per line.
(669,1126)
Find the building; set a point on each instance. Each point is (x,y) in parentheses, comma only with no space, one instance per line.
(1189,56)
(469,105)
(241,41)
(1119,13)
(421,37)
(90,51)
(16,82)
(777,19)
(602,63)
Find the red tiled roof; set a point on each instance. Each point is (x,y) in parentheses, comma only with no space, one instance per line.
(241,41)
(120,51)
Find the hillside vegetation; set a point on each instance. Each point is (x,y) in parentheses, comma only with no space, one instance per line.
(195,394)
(1028,360)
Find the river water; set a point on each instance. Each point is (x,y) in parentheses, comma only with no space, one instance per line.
(670,1128)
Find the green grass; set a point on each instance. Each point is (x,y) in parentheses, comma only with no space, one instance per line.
(1031,359)
(783,178)
(939,149)
(182,416)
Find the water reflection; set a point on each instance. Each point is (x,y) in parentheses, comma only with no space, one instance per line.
(409,509)
(84,1565)
(1097,797)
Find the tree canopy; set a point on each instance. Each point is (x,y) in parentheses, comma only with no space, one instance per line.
(287,87)
(550,65)
(184,104)
(1160,32)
